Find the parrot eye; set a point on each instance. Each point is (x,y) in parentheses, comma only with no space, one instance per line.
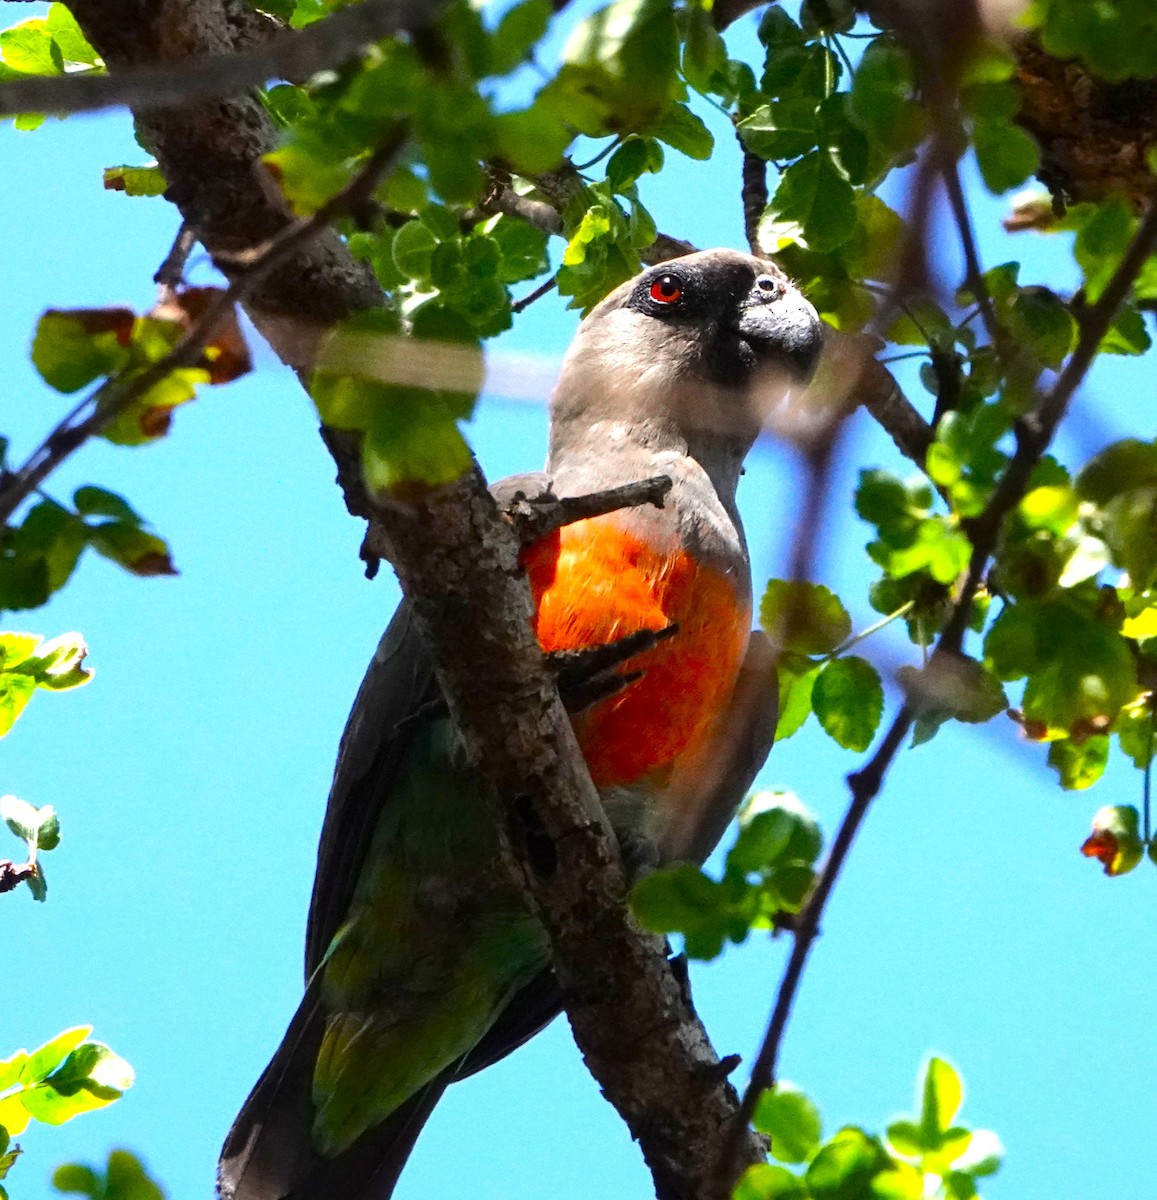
(666,290)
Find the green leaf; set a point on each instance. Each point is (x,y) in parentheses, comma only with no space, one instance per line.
(10,1069)
(806,618)
(1079,765)
(681,129)
(942,1096)
(782,129)
(533,140)
(79,1180)
(130,546)
(796,680)
(813,193)
(72,348)
(845,1166)
(767,1182)
(42,1062)
(1005,154)
(682,899)
(792,1120)
(1103,236)
(135,181)
(955,687)
(413,250)
(70,40)
(704,51)
(848,698)
(881,101)
(15,692)
(636,156)
(1041,323)
(619,65)
(517,32)
(774,828)
(92,501)
(29,47)
(1121,467)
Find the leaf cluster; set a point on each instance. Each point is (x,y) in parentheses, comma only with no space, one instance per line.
(928,1157)
(766,877)
(65,1077)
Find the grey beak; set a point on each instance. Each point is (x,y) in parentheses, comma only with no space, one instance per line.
(779,324)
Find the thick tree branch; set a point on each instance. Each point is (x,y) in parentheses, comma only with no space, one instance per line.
(457,559)
(218,71)
(210,154)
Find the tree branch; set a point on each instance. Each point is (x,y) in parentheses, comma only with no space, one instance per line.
(220,72)
(457,559)
(114,397)
(210,154)
(1035,433)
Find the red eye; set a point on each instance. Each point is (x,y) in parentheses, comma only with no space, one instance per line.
(666,289)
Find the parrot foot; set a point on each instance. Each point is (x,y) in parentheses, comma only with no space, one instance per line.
(588,675)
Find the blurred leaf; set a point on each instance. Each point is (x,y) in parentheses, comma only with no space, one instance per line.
(1115,841)
(135,181)
(767,1182)
(791,1119)
(848,698)
(806,618)
(73,347)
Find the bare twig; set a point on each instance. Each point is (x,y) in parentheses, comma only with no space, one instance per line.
(865,784)
(289,54)
(753,194)
(973,275)
(1035,433)
(535,517)
(543,289)
(116,395)
(171,272)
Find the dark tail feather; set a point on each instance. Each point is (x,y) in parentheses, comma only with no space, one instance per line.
(267,1154)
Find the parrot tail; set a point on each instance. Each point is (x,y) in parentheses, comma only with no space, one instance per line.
(268,1152)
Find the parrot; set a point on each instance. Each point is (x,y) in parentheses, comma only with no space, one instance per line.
(423,963)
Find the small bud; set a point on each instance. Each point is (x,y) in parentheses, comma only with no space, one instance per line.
(1115,841)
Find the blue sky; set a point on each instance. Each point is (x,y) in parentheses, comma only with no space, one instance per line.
(191,778)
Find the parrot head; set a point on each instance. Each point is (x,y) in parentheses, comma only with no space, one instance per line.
(698,348)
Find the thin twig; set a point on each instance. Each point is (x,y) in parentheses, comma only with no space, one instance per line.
(753,194)
(290,54)
(864,785)
(1035,431)
(1034,438)
(116,395)
(973,275)
(171,272)
(535,517)
(538,293)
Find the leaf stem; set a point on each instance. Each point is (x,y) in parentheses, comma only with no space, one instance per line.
(882,623)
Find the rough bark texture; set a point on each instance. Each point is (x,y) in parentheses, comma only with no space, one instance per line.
(1093,136)
(210,154)
(458,560)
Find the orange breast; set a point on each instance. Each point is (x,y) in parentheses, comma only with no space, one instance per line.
(594,583)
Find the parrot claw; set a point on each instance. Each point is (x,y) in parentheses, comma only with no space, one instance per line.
(588,675)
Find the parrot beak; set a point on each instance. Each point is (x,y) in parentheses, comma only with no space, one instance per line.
(775,324)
